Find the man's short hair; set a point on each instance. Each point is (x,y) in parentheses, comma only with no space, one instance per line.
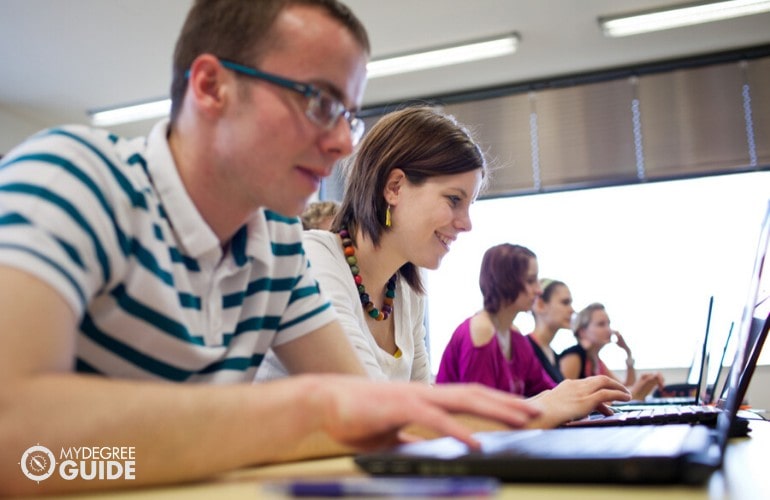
(241,31)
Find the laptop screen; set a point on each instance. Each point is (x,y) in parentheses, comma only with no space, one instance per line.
(701,384)
(753,328)
(714,392)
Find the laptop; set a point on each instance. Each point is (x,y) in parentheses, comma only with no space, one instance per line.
(712,389)
(693,409)
(651,454)
(670,410)
(699,360)
(702,411)
(757,334)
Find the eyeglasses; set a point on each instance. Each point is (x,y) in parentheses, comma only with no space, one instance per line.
(323,109)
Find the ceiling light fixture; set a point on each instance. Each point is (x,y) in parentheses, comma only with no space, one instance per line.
(685,15)
(130,113)
(444,56)
(403,63)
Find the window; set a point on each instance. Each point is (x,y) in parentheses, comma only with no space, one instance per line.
(653,253)
(651,248)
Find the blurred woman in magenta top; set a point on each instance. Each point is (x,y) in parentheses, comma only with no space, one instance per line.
(486,348)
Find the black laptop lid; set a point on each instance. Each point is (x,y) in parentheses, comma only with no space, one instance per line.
(702,383)
(713,391)
(752,332)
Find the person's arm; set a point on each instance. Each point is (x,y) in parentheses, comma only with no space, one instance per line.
(188,432)
(630,369)
(325,350)
(604,370)
(573,399)
(569,364)
(335,347)
(645,384)
(170,426)
(642,386)
(421,361)
(332,272)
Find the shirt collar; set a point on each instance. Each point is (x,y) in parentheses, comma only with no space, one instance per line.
(193,233)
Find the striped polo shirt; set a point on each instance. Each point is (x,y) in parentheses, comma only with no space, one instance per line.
(107,223)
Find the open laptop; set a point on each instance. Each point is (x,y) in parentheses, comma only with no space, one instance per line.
(699,362)
(703,410)
(677,453)
(757,334)
(711,394)
(668,410)
(692,409)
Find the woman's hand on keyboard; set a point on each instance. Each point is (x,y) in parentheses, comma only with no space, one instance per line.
(576,398)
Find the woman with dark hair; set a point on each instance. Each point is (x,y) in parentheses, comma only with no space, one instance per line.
(552,311)
(486,348)
(408,191)
(407,196)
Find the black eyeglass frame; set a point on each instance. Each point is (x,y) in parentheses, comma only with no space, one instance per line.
(310,92)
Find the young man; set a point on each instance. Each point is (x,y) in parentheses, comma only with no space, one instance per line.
(127,264)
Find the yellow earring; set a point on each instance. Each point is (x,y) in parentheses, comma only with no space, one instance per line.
(387,217)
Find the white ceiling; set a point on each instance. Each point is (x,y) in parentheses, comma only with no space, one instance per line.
(60,58)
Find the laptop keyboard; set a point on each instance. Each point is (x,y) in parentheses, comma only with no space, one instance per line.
(687,414)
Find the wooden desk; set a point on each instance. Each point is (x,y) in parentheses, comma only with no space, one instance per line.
(744,476)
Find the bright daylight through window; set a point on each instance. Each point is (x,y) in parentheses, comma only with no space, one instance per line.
(652,253)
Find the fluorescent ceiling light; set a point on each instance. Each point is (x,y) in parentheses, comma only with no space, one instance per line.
(686,15)
(473,51)
(404,63)
(132,113)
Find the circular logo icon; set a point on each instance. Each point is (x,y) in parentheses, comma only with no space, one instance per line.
(38,463)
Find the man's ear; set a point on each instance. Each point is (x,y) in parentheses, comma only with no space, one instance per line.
(206,81)
(393,184)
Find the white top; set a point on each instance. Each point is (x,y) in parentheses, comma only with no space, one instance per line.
(324,251)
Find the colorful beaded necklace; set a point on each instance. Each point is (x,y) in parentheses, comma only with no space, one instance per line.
(390,288)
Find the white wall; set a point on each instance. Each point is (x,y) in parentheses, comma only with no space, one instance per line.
(14,128)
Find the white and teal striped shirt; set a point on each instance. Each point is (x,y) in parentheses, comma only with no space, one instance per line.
(107,223)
